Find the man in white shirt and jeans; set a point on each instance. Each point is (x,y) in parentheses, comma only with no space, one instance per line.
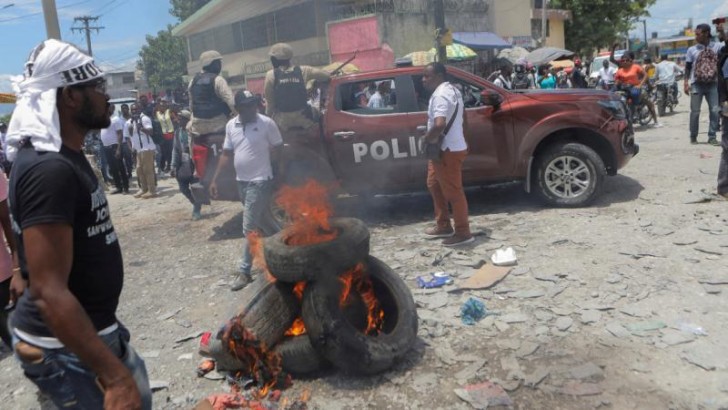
(697,89)
(254,142)
(112,139)
(444,176)
(140,131)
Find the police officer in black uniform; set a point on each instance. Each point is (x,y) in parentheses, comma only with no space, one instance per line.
(211,99)
(285,90)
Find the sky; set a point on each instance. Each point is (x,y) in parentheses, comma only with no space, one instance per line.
(126,22)
(667,17)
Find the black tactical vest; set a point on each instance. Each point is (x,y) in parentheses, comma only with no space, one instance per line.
(205,102)
(290,90)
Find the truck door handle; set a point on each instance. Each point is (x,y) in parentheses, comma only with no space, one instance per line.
(344,135)
(422,128)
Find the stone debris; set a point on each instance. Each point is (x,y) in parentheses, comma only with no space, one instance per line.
(716,279)
(672,337)
(590,316)
(528,294)
(712,289)
(647,326)
(511,318)
(470,371)
(150,354)
(539,375)
(587,371)
(617,330)
(423,382)
(564,323)
(699,358)
(168,315)
(527,349)
(484,395)
(574,388)
(156,385)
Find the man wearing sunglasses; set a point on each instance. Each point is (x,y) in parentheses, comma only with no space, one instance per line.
(67,336)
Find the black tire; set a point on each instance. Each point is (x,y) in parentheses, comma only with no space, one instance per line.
(553,191)
(348,348)
(269,309)
(643,112)
(304,263)
(299,357)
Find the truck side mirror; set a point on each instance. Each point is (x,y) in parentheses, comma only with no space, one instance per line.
(492,98)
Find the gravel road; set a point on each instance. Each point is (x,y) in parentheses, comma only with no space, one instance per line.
(618,305)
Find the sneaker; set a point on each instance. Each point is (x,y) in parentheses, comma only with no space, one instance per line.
(436,232)
(241,281)
(196,215)
(693,141)
(457,240)
(140,194)
(713,141)
(116,192)
(149,195)
(658,125)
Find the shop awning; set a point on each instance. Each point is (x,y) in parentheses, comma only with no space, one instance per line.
(480,40)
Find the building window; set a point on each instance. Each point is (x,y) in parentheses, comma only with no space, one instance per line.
(201,42)
(255,32)
(295,23)
(224,39)
(127,79)
(536,28)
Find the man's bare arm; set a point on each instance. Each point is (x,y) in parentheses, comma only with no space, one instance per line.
(49,252)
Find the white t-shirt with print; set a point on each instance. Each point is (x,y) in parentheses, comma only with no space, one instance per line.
(251,144)
(442,104)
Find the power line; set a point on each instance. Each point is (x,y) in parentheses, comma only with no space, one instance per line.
(40,12)
(85,20)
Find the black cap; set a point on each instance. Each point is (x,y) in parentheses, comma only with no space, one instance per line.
(245,97)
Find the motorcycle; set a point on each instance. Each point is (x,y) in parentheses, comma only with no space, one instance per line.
(667,97)
(639,113)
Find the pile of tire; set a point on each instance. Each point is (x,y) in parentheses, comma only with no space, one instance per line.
(333,335)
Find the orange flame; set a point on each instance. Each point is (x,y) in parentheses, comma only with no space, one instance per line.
(309,209)
(298,290)
(297,328)
(356,279)
(255,241)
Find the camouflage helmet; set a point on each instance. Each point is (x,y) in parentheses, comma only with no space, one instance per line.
(209,56)
(281,51)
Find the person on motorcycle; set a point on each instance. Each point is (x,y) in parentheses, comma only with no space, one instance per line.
(210,96)
(649,67)
(632,77)
(606,75)
(666,73)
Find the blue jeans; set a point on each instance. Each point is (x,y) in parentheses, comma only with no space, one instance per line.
(71,385)
(710,92)
(256,197)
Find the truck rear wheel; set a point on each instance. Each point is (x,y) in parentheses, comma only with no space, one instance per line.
(569,175)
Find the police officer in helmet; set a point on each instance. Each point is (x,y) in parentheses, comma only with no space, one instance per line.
(285,90)
(211,99)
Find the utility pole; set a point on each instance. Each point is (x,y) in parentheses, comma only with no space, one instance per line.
(50,14)
(644,26)
(85,20)
(440,23)
(543,22)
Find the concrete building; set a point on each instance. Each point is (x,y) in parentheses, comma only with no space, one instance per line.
(121,84)
(379,29)
(519,22)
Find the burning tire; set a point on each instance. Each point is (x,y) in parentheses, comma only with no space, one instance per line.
(349,348)
(269,310)
(308,262)
(299,357)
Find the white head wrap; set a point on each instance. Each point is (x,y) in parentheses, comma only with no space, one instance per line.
(51,65)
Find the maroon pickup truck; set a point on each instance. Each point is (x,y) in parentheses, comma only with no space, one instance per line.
(560,143)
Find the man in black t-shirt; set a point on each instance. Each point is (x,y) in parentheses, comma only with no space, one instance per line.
(69,341)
